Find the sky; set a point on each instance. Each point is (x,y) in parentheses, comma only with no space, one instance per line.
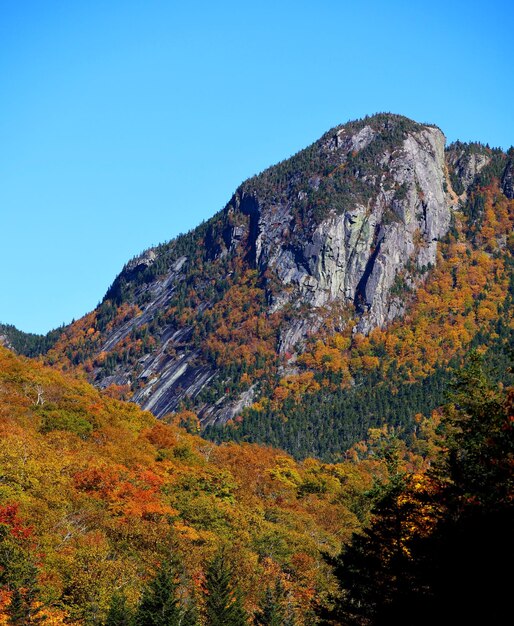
(125,123)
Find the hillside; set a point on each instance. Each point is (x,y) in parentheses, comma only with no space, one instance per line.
(94,493)
(329,296)
(107,512)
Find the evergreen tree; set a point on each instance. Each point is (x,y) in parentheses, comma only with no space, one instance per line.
(22,610)
(463,562)
(224,605)
(159,604)
(454,572)
(190,616)
(19,575)
(119,613)
(480,441)
(375,570)
(272,610)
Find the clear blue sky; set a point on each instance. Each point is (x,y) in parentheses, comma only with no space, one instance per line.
(123,123)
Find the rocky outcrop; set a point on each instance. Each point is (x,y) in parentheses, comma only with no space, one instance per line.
(143,260)
(356,255)
(471,165)
(465,162)
(508,180)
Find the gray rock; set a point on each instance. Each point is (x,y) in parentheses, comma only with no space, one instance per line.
(355,256)
(508,180)
(143,260)
(467,161)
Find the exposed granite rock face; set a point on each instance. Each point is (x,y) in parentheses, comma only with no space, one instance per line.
(508,180)
(355,255)
(143,260)
(469,167)
(466,161)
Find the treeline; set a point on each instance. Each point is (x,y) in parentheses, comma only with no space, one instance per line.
(169,597)
(326,423)
(29,344)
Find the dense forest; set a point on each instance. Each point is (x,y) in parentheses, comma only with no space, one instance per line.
(101,504)
(108,516)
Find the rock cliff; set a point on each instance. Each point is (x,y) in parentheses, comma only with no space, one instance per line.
(387,227)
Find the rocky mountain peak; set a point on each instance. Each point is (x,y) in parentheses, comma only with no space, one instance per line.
(345,229)
(342,220)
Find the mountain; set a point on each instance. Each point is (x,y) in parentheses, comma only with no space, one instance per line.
(329,295)
(98,496)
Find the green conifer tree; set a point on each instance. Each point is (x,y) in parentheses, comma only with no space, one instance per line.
(224,605)
(190,616)
(19,574)
(119,613)
(454,574)
(464,560)
(272,610)
(159,604)
(21,610)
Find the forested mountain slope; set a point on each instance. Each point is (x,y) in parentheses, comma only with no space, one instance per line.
(107,514)
(95,494)
(328,296)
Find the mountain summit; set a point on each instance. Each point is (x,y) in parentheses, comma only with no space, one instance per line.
(340,220)
(336,223)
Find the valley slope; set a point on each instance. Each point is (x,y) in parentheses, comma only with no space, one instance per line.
(95,493)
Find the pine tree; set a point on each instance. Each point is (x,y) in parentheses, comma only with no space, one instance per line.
(375,568)
(480,442)
(119,613)
(159,604)
(19,574)
(272,610)
(190,616)
(224,605)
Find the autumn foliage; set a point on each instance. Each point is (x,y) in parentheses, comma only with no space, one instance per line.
(94,490)
(462,298)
